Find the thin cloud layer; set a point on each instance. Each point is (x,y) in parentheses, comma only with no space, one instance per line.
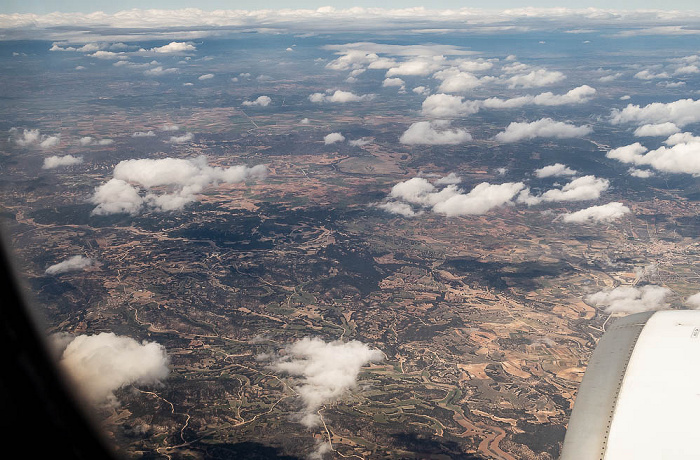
(101,364)
(545,127)
(631,299)
(72,264)
(603,213)
(326,371)
(183,179)
(435,132)
(56,161)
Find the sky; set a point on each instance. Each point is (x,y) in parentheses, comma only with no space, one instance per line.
(108,6)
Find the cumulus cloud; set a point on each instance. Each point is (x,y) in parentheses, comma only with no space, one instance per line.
(28,137)
(582,189)
(182,178)
(555,170)
(660,129)
(545,127)
(58,161)
(457,81)
(603,213)
(101,364)
(332,138)
(340,97)
(693,301)
(397,82)
(682,112)
(89,140)
(158,71)
(417,67)
(450,179)
(71,264)
(144,134)
(577,95)
(448,106)
(261,101)
(479,200)
(650,75)
(206,76)
(640,173)
(631,299)
(181,139)
(435,132)
(326,371)
(450,200)
(396,207)
(359,142)
(536,78)
(175,48)
(680,157)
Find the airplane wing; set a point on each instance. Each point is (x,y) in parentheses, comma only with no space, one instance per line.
(640,395)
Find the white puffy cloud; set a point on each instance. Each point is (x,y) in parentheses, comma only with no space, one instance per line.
(340,97)
(418,67)
(449,201)
(681,138)
(181,139)
(206,76)
(144,134)
(680,157)
(479,200)
(389,82)
(89,140)
(693,301)
(261,101)
(581,189)
(660,129)
(50,141)
(650,75)
(631,299)
(168,127)
(183,178)
(26,137)
(71,264)
(555,170)
(450,179)
(332,138)
(175,48)
(457,81)
(682,112)
(577,95)
(158,71)
(535,79)
(101,364)
(396,207)
(56,161)
(422,90)
(545,127)
(359,142)
(108,55)
(435,132)
(640,173)
(30,137)
(448,106)
(602,213)
(326,371)
(116,197)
